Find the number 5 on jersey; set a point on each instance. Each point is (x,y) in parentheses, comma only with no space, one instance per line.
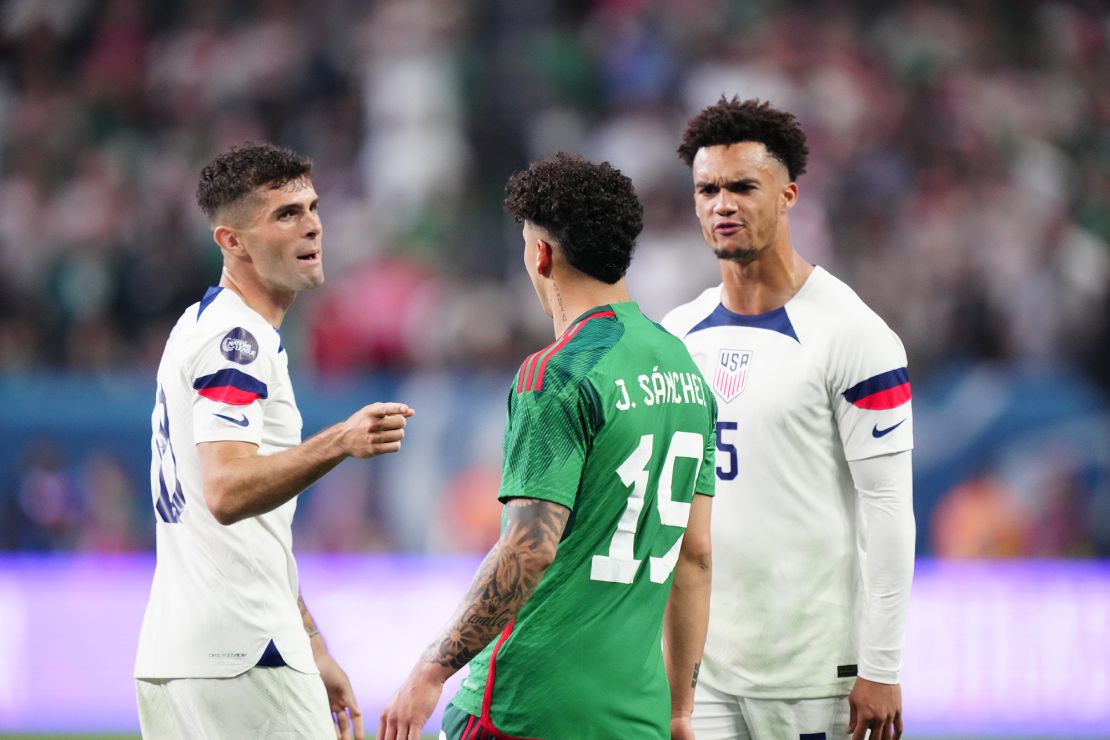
(621,565)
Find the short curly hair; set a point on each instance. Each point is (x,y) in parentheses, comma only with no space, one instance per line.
(232,176)
(732,121)
(590,209)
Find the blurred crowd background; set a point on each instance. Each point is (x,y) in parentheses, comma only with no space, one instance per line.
(959,180)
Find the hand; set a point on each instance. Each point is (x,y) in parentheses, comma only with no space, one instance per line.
(876,707)
(376,429)
(412,705)
(682,728)
(341,698)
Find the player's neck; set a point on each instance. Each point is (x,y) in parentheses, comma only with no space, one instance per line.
(570,300)
(764,284)
(269,304)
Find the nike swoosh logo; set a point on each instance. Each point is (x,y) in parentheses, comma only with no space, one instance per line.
(876,432)
(241,422)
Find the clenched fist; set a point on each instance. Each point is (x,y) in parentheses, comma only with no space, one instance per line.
(375,429)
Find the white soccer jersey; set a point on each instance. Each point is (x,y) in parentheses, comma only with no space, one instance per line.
(801,390)
(220,593)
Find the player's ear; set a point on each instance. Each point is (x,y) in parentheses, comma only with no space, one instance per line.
(226,238)
(545,259)
(788,197)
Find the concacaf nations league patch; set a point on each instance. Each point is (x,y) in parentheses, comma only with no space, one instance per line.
(239,345)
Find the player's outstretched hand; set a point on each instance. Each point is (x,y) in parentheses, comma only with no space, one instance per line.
(876,707)
(411,706)
(376,429)
(341,697)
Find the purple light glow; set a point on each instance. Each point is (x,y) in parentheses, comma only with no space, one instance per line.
(994,649)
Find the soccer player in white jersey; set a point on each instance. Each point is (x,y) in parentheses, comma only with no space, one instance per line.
(228,648)
(814,531)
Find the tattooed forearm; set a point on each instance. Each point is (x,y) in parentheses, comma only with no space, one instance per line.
(309,622)
(504,582)
(694,680)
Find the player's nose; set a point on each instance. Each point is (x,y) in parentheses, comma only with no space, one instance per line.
(314,227)
(724,205)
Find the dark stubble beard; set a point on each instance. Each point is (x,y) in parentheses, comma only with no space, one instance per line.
(743,255)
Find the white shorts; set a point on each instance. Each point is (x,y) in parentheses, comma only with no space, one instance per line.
(720,716)
(261,704)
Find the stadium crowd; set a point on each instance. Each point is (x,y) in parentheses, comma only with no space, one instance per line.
(959,178)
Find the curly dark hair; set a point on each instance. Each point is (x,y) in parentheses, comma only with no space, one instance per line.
(590,209)
(233,175)
(733,121)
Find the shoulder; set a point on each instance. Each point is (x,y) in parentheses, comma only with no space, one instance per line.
(569,359)
(839,311)
(225,324)
(680,320)
(855,339)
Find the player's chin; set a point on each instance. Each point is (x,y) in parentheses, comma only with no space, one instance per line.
(312,279)
(743,255)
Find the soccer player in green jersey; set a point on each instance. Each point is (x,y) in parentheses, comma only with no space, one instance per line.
(604,548)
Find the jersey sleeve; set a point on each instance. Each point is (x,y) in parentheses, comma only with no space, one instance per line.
(870,389)
(546,439)
(230,377)
(707,474)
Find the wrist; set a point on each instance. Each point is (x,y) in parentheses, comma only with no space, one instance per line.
(319,647)
(431,673)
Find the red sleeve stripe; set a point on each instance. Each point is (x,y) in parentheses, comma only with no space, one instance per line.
(231,386)
(883,391)
(527,369)
(229,394)
(536,365)
(888,399)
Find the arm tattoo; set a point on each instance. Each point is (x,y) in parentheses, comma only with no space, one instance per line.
(697,669)
(309,623)
(504,582)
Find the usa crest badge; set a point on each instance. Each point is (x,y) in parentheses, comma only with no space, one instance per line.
(732,372)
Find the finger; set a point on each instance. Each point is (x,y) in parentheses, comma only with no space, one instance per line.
(344,724)
(356,720)
(383,726)
(394,435)
(387,409)
(393,421)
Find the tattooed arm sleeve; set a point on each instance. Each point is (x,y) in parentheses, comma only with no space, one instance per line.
(505,580)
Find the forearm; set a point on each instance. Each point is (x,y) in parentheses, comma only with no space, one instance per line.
(250,485)
(888,532)
(684,626)
(504,582)
(314,637)
(499,590)
(686,617)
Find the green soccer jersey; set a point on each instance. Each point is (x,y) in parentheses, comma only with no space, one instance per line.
(615,422)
